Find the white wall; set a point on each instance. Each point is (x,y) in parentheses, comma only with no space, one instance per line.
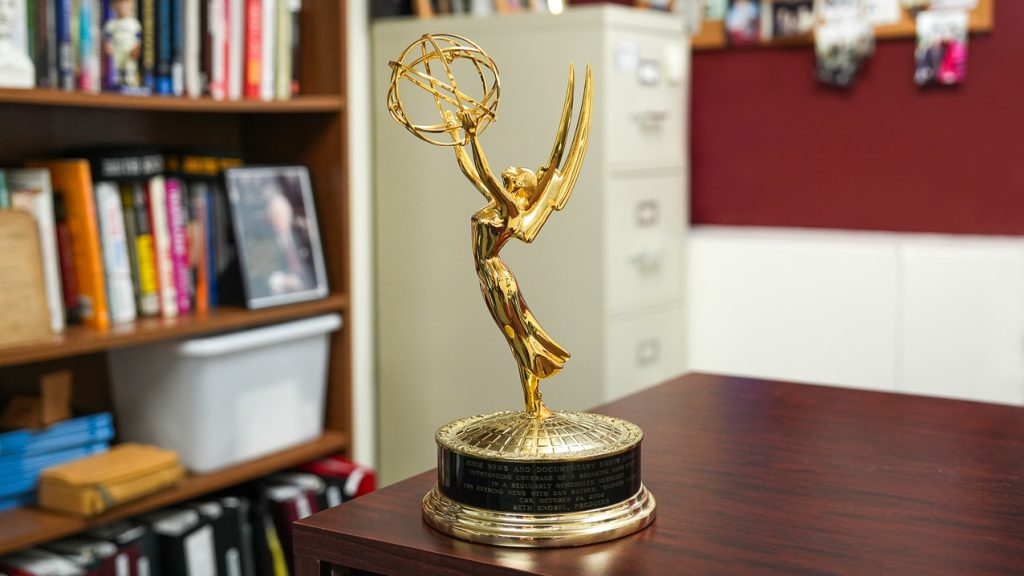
(929,314)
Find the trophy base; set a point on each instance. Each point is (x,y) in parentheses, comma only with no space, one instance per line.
(510,479)
(538,530)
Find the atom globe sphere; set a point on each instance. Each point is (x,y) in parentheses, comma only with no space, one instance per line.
(430,64)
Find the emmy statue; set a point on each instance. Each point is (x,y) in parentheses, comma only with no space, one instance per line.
(536,477)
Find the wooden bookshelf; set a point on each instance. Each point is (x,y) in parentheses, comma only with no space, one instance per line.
(42,97)
(310,130)
(24,527)
(77,340)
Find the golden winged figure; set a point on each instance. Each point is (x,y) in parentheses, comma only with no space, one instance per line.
(518,206)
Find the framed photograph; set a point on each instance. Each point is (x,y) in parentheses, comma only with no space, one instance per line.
(277,235)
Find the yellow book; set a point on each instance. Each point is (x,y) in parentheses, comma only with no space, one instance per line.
(92,485)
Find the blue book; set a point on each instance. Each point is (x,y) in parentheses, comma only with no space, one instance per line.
(65,50)
(211,250)
(20,474)
(164,41)
(66,434)
(17,501)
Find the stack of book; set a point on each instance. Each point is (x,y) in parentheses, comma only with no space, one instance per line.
(26,453)
(227,49)
(129,234)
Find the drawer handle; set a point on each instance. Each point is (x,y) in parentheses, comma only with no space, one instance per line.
(647,213)
(648,352)
(650,120)
(647,260)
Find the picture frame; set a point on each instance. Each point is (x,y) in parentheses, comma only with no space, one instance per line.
(277,235)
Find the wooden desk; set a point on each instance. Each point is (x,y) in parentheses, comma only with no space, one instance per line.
(754,477)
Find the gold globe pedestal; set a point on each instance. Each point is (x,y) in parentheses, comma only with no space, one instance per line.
(510,479)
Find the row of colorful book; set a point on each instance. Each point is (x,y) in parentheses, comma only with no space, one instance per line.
(243,532)
(227,49)
(24,454)
(127,235)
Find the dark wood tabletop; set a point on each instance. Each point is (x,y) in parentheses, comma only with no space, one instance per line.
(753,476)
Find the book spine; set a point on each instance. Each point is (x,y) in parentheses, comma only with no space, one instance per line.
(177,222)
(108,71)
(283,58)
(65,48)
(32,24)
(164,33)
(115,253)
(162,246)
(32,196)
(211,249)
(131,237)
(73,180)
(253,47)
(178,47)
(236,48)
(149,286)
(148,13)
(68,275)
(217,31)
(197,247)
(268,49)
(88,46)
(296,8)
(46,68)
(5,193)
(193,49)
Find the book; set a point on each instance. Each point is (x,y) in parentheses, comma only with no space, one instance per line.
(185,542)
(38,562)
(16,68)
(19,473)
(147,9)
(45,56)
(65,252)
(236,48)
(88,46)
(177,219)
(177,47)
(160,225)
(72,179)
(283,48)
(134,540)
(253,48)
(140,248)
(192,52)
(218,32)
(268,49)
(30,191)
(97,557)
(65,434)
(164,40)
(120,289)
(198,194)
(65,50)
(5,194)
(296,10)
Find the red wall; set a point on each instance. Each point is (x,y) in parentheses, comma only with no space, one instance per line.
(772,147)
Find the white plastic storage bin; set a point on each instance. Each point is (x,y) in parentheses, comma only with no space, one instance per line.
(228,398)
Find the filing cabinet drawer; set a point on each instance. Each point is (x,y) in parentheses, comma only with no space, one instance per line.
(648,85)
(645,349)
(645,223)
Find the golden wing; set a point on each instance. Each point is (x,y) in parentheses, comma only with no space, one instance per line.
(556,184)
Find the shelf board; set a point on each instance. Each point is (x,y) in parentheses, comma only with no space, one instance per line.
(24,527)
(47,97)
(77,340)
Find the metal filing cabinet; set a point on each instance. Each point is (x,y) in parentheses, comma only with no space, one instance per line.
(605,277)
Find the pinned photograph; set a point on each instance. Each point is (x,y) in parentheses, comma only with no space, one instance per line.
(743,22)
(841,50)
(791,18)
(940,56)
(277,235)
